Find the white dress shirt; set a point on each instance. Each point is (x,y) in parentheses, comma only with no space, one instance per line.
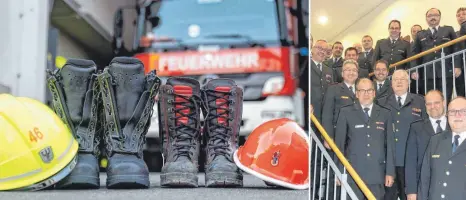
(461,139)
(370,108)
(403,98)
(443,122)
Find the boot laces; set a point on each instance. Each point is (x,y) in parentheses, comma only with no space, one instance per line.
(185,133)
(218,132)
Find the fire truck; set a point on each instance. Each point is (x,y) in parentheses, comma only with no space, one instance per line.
(261,44)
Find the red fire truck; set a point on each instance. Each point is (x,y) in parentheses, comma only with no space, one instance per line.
(261,44)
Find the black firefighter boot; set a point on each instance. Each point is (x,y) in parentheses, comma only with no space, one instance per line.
(223,101)
(75,99)
(179,117)
(128,98)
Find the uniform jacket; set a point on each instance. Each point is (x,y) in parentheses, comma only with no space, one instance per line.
(320,80)
(443,173)
(412,110)
(392,53)
(365,63)
(425,40)
(418,139)
(337,96)
(366,145)
(385,91)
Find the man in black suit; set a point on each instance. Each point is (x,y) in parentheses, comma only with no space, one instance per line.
(339,95)
(405,108)
(321,77)
(364,134)
(365,57)
(419,136)
(434,36)
(351,53)
(443,170)
(336,60)
(392,49)
(461,18)
(414,30)
(381,83)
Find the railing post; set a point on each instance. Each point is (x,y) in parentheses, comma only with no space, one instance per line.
(464,70)
(344,178)
(444,82)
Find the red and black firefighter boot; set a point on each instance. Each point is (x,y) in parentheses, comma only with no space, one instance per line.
(75,99)
(223,101)
(128,97)
(179,117)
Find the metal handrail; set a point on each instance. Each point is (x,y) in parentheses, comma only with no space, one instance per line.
(343,160)
(419,55)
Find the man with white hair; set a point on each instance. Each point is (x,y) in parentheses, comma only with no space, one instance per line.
(405,108)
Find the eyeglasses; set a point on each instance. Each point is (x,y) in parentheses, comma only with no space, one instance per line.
(433,15)
(433,103)
(400,79)
(368,91)
(351,70)
(381,70)
(462,112)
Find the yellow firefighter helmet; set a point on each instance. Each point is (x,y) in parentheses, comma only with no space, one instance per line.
(36,148)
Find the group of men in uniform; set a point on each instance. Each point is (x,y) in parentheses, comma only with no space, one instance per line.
(382,128)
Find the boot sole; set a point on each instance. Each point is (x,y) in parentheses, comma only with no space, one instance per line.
(128,182)
(223,179)
(79,182)
(179,180)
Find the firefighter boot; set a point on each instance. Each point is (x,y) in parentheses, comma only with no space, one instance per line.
(179,117)
(223,101)
(75,99)
(128,98)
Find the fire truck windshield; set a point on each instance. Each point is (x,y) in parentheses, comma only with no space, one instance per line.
(196,21)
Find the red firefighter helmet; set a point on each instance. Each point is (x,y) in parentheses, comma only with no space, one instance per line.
(277,152)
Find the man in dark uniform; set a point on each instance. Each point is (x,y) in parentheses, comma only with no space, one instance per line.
(365,137)
(418,139)
(443,171)
(336,60)
(382,85)
(365,57)
(339,95)
(461,18)
(414,30)
(434,36)
(351,53)
(392,49)
(321,77)
(405,108)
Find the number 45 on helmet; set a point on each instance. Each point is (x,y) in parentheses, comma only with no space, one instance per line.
(36,148)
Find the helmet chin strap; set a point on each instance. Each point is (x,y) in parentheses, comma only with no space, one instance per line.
(52,180)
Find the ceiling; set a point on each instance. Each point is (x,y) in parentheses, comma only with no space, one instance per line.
(341,15)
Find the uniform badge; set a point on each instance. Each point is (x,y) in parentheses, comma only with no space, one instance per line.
(416,114)
(423,39)
(359,126)
(46,154)
(401,51)
(328,78)
(435,156)
(380,128)
(379,123)
(416,110)
(344,97)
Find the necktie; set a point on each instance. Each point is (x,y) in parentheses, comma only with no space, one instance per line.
(455,143)
(367,53)
(439,128)
(380,86)
(435,33)
(399,102)
(351,89)
(366,110)
(319,66)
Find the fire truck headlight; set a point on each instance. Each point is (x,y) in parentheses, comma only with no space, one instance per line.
(277,114)
(273,85)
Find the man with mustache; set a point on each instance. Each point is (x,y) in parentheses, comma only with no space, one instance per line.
(432,37)
(443,171)
(419,136)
